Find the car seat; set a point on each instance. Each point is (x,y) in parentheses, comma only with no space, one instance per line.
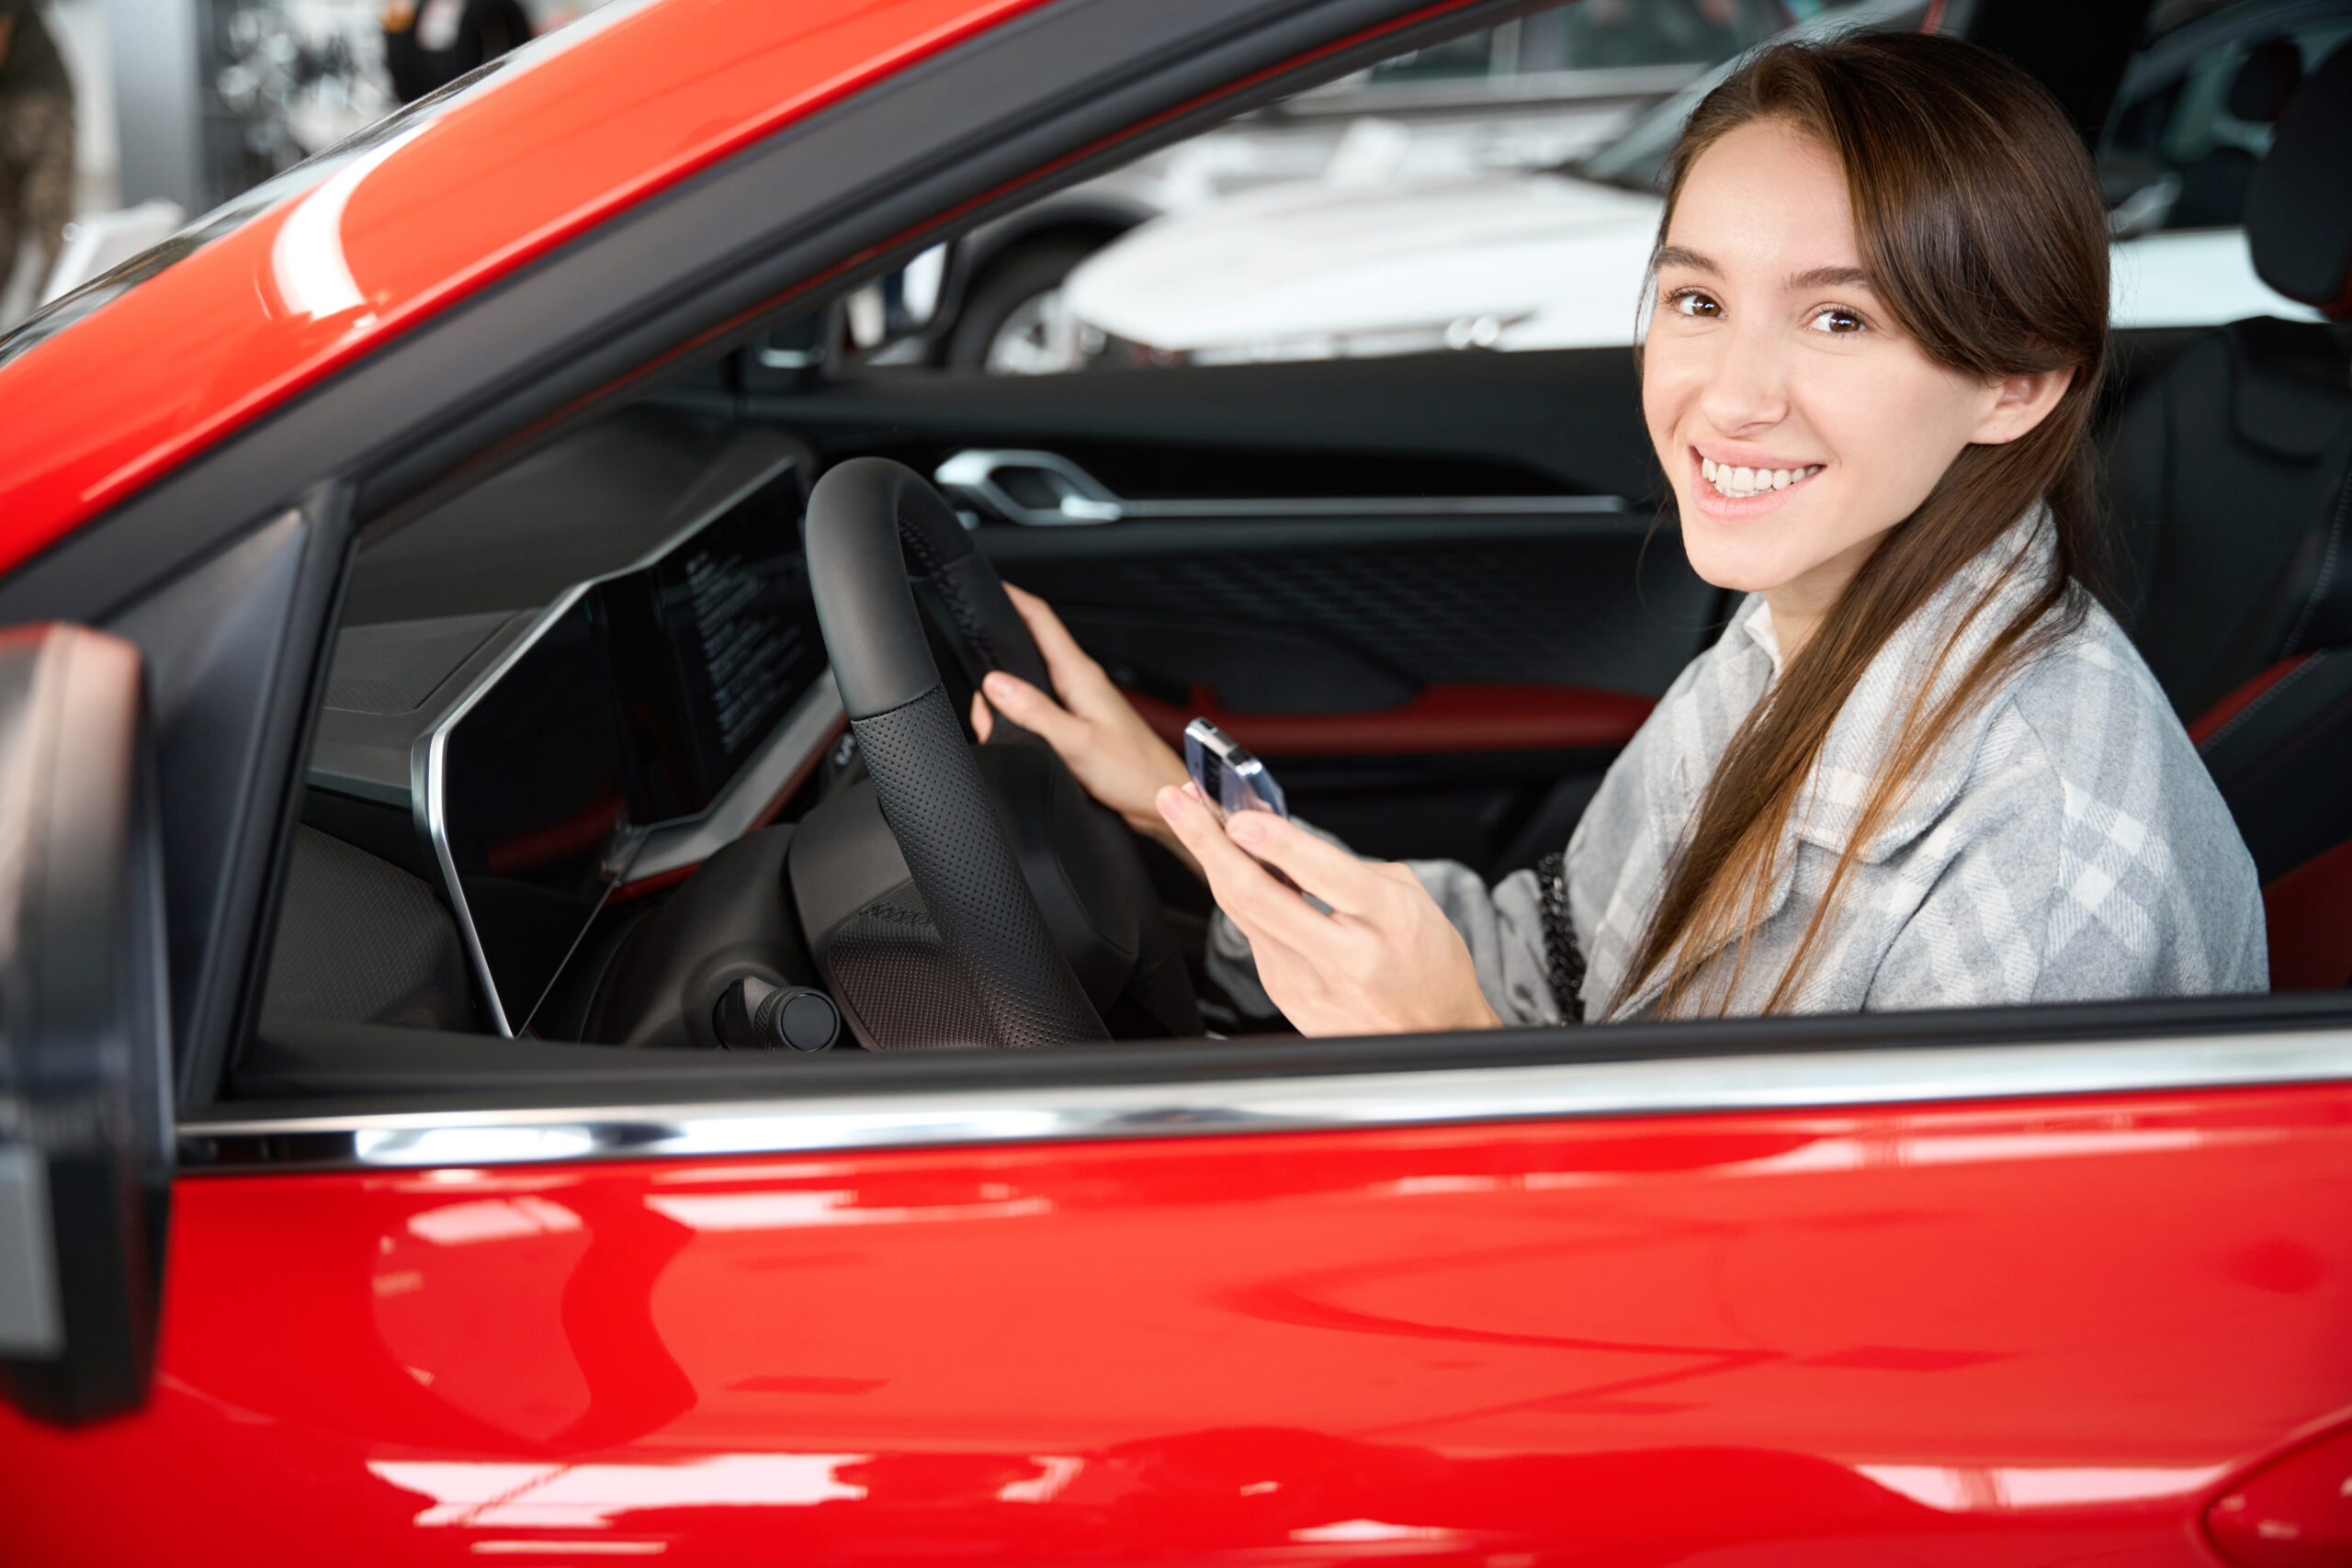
(2231,473)
(2213,189)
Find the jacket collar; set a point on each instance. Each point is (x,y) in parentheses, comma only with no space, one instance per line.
(1933,651)
(2004,576)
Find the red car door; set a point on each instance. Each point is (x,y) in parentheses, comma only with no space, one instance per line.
(1995,1302)
(2066,1286)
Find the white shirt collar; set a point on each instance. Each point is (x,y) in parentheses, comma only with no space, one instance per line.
(1759,630)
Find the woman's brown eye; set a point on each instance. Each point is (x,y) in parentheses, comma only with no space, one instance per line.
(1696,305)
(1834,320)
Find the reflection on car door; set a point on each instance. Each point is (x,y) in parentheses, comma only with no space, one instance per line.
(2013,1302)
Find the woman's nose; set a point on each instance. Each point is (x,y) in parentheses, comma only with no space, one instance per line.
(1747,385)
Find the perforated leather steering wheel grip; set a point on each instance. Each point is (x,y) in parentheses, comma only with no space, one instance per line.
(865,518)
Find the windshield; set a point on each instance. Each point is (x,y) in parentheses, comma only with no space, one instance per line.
(107,286)
(1636,160)
(67,309)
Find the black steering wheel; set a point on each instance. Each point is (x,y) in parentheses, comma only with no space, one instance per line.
(971,896)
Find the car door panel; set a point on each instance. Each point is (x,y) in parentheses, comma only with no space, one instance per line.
(1573,416)
(1569,601)
(1464,519)
(1518,657)
(2004,1331)
(1432,590)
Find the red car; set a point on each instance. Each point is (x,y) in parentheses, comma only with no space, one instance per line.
(450,941)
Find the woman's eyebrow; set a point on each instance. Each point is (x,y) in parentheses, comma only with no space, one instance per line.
(1683,255)
(1830,277)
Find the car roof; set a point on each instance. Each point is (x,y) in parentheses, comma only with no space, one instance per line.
(314,271)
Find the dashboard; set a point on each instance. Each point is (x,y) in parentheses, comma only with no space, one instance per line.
(537,761)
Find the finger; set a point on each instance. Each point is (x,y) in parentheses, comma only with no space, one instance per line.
(1243,889)
(1075,673)
(1033,711)
(1349,886)
(983,721)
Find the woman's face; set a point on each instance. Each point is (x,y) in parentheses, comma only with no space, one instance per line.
(1796,419)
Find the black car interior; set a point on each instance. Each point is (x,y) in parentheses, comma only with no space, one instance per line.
(2230,470)
(581,774)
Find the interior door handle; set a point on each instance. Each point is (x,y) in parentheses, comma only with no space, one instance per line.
(1041,489)
(1045,490)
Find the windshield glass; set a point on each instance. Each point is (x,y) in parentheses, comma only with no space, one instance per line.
(1636,160)
(67,309)
(107,286)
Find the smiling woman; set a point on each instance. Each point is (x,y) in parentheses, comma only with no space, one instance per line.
(1918,331)
(1923,766)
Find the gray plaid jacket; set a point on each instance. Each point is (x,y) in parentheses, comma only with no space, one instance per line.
(2066,842)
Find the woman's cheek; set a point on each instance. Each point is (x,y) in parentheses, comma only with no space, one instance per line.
(1891,422)
(1669,385)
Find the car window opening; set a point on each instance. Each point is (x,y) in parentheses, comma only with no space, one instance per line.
(578,715)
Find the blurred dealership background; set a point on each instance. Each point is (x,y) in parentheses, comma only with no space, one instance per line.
(183,103)
(190,102)
(1496,191)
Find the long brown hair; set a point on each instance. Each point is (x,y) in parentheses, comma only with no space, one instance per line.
(1982,231)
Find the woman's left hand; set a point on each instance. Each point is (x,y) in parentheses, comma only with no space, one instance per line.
(1385,960)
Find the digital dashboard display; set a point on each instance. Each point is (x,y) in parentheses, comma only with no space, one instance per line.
(708,648)
(635,706)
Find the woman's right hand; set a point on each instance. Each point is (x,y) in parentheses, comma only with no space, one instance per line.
(1093,729)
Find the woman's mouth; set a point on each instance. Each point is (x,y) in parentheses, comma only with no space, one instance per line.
(1743,483)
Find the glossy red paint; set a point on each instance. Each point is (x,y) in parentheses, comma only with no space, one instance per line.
(2295,1512)
(2018,1334)
(1442,720)
(594,120)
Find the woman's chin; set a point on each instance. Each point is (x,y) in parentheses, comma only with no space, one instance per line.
(1734,557)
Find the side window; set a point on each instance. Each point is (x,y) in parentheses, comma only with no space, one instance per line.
(2197,112)
(1498,192)
(2197,135)
(1599,35)
(1494,191)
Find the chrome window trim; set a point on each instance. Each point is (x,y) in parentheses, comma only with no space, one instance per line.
(807,726)
(969,476)
(1387,506)
(1816,1081)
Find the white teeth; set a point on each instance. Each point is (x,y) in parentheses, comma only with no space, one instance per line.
(1742,482)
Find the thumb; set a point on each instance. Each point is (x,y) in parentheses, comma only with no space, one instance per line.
(1323,869)
(983,720)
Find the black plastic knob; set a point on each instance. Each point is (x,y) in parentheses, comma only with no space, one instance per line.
(753,1014)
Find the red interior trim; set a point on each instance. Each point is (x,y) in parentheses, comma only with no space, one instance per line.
(2309,914)
(1440,719)
(2210,722)
(654,884)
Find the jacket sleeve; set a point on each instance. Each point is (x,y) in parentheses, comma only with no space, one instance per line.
(1503,928)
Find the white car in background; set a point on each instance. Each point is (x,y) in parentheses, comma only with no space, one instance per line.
(1533,93)
(1523,260)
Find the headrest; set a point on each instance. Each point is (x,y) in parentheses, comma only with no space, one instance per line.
(2298,205)
(2272,71)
